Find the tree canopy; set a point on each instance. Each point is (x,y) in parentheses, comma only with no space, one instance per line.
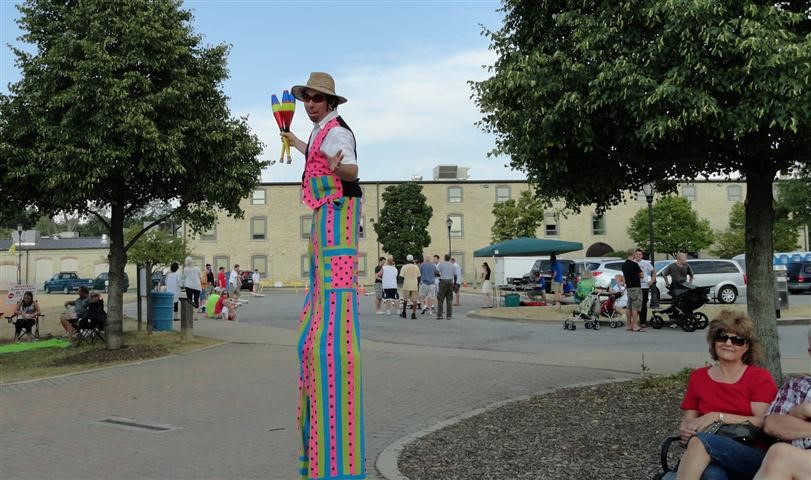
(120,105)
(515,219)
(656,91)
(730,241)
(676,227)
(403,224)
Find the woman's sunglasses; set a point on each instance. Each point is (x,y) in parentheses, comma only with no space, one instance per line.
(317,98)
(736,340)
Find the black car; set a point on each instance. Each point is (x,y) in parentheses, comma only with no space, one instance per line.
(799,277)
(102,282)
(247,281)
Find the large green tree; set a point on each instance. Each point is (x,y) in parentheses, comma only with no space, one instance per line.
(403,224)
(794,199)
(730,242)
(121,105)
(676,227)
(515,219)
(593,99)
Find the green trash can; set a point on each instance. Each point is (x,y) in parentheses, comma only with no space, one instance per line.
(512,300)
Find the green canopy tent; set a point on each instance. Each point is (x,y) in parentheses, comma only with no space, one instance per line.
(527,247)
(521,247)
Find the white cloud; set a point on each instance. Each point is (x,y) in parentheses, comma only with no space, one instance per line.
(407,118)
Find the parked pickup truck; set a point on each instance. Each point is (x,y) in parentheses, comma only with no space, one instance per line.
(66,282)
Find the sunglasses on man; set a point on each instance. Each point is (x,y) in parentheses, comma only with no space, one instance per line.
(317,98)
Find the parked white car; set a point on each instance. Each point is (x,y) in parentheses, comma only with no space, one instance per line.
(726,278)
(606,271)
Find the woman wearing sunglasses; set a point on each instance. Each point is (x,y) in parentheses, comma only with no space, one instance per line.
(734,390)
(330,392)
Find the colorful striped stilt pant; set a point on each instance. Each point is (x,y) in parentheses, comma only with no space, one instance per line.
(330,385)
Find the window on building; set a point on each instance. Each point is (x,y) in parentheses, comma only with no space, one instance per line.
(362,227)
(597,224)
(361,264)
(259,197)
(503,193)
(689,192)
(550,221)
(199,261)
(305,224)
(259,226)
(209,235)
(260,262)
(305,266)
(734,193)
(221,261)
(454,194)
(457,228)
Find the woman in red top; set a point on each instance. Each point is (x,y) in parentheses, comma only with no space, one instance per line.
(734,390)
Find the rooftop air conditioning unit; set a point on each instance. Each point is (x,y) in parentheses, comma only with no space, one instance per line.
(450,172)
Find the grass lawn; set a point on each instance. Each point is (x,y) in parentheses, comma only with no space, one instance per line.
(48,362)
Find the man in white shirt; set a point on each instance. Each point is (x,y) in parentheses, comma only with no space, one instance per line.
(233,284)
(390,285)
(457,282)
(255,278)
(648,279)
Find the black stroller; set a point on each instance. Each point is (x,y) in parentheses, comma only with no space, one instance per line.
(687,299)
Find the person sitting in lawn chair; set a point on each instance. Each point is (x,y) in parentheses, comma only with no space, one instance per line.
(26,312)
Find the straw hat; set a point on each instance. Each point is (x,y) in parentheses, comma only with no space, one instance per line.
(320,82)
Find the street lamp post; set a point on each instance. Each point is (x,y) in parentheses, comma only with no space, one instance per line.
(449,223)
(19,253)
(648,190)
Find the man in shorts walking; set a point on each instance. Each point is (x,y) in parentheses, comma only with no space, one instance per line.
(633,283)
(428,276)
(411,277)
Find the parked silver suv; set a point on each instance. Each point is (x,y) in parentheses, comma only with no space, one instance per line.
(726,278)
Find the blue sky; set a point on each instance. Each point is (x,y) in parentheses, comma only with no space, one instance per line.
(403,65)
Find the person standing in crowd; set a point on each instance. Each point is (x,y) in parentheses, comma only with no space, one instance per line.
(379,285)
(428,276)
(445,292)
(172,283)
(233,279)
(255,279)
(221,279)
(457,282)
(487,287)
(190,279)
(557,280)
(680,272)
(411,277)
(632,273)
(389,278)
(436,280)
(329,186)
(648,279)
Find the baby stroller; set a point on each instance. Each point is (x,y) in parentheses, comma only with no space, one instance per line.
(607,310)
(686,299)
(585,311)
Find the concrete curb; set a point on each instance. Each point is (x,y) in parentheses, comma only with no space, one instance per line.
(386,463)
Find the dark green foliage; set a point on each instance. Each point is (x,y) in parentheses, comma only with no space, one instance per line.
(730,242)
(403,224)
(516,219)
(676,227)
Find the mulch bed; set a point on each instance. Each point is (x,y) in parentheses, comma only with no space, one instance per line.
(610,431)
(126,353)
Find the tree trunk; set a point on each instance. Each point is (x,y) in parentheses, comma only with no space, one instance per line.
(117,260)
(759,258)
